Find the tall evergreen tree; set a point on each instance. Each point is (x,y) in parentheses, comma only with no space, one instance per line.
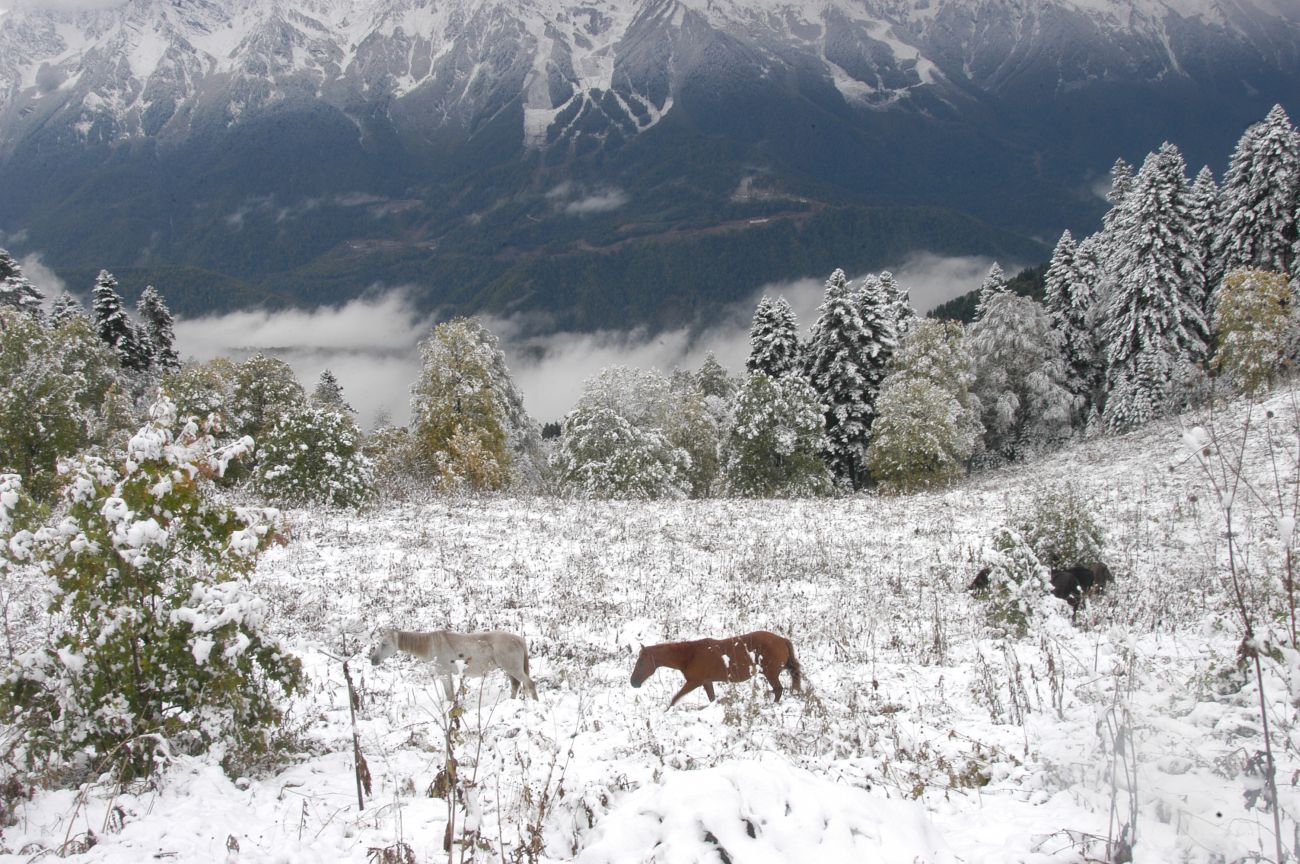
(1257,205)
(329,393)
(773,338)
(15,288)
(113,325)
(847,351)
(1203,208)
(994,283)
(1154,328)
(1070,303)
(899,301)
(156,324)
(66,307)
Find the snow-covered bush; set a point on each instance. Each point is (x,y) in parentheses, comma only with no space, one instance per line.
(60,391)
(1062,528)
(1020,376)
(263,389)
(1018,583)
(602,454)
(158,646)
(774,442)
(203,390)
(927,424)
(1253,318)
(313,456)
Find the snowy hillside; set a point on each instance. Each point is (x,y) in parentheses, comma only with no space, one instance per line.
(924,735)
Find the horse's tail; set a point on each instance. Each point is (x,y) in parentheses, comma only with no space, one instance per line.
(796,674)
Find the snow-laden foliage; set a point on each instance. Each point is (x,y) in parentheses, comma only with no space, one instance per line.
(60,390)
(994,284)
(205,390)
(16,289)
(1061,526)
(672,433)
(158,646)
(115,328)
(467,415)
(604,454)
(1257,205)
(1073,307)
(1203,211)
(1018,592)
(774,440)
(927,426)
(159,336)
(1020,376)
(263,390)
(1254,325)
(65,308)
(329,393)
(1154,327)
(850,344)
(313,456)
(773,338)
(899,301)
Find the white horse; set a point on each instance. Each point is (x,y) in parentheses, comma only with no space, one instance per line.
(474,654)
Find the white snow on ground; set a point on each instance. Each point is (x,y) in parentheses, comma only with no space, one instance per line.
(922,735)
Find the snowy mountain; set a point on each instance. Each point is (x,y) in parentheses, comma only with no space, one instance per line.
(370,138)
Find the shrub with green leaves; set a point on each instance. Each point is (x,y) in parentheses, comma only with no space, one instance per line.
(158,644)
(774,440)
(1253,319)
(313,456)
(1017,583)
(1061,527)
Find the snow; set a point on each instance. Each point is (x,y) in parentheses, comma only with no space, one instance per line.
(920,735)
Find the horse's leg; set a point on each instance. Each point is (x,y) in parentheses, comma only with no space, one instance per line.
(708,688)
(686,688)
(773,677)
(448,686)
(514,686)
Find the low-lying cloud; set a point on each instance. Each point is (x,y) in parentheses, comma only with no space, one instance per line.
(372,345)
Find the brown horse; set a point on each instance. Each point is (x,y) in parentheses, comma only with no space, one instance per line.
(704,661)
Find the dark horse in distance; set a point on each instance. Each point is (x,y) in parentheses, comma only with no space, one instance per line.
(706,661)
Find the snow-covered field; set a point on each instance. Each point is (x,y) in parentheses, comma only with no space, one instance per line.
(923,735)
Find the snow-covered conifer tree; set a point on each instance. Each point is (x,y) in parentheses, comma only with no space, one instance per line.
(1257,205)
(1203,210)
(1070,302)
(1020,376)
(994,283)
(114,327)
(66,307)
(899,301)
(1154,328)
(773,338)
(775,439)
(156,323)
(16,289)
(847,351)
(329,393)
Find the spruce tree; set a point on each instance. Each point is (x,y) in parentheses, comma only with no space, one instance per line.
(847,351)
(1203,208)
(1070,302)
(773,338)
(329,393)
(114,327)
(1257,205)
(15,289)
(1154,328)
(66,307)
(156,323)
(899,302)
(994,283)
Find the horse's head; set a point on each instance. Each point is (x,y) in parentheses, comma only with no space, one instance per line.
(385,648)
(644,668)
